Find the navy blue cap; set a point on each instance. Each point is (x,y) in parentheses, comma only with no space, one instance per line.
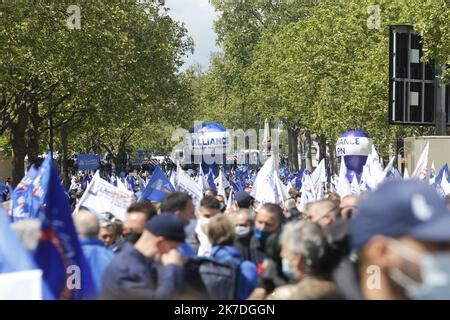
(401,207)
(243,199)
(167,225)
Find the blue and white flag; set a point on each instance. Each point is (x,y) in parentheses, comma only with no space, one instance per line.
(28,197)
(420,172)
(158,187)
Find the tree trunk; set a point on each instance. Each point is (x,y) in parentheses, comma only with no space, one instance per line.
(65,157)
(292,149)
(33,134)
(333,160)
(18,144)
(308,164)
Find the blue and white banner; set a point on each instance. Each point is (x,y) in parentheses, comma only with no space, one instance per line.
(88,161)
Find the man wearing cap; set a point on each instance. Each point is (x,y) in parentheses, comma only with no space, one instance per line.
(402,238)
(135,272)
(243,200)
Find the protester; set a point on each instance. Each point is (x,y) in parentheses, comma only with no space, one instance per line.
(137,216)
(324,212)
(349,206)
(290,210)
(108,233)
(243,224)
(305,262)
(221,235)
(268,224)
(402,236)
(210,193)
(222,203)
(181,205)
(133,273)
(243,200)
(94,250)
(209,207)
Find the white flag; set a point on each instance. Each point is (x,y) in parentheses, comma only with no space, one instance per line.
(354,186)
(421,169)
(264,188)
(406,174)
(22,285)
(230,200)
(307,191)
(186,184)
(343,187)
(221,184)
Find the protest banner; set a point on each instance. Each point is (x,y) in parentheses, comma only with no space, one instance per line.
(101,196)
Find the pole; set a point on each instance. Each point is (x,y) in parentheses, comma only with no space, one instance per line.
(50,120)
(441,119)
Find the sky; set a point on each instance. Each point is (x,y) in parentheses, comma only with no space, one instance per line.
(198,16)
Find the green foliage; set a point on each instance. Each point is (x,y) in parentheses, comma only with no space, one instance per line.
(317,66)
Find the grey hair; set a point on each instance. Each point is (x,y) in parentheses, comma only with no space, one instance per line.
(305,239)
(87,224)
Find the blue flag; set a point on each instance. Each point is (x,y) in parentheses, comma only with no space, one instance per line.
(130,183)
(298,180)
(158,186)
(59,253)
(440,175)
(236,187)
(86,179)
(28,197)
(210,180)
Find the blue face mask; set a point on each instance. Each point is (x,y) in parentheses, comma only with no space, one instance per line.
(435,275)
(261,235)
(287,270)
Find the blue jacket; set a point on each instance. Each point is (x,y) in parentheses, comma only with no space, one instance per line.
(98,257)
(248,270)
(131,275)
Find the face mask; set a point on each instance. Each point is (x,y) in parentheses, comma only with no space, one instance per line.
(287,270)
(133,237)
(261,235)
(202,223)
(242,231)
(222,206)
(435,275)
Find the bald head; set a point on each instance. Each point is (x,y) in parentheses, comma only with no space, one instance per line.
(86,224)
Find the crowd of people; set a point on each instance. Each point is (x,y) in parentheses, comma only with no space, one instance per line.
(392,243)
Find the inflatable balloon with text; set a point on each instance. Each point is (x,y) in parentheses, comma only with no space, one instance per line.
(354,146)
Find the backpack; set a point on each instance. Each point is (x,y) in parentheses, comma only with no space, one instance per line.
(211,278)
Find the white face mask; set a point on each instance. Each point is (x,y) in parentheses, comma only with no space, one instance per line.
(242,231)
(434,271)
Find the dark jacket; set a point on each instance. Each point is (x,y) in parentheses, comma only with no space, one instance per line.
(131,275)
(251,249)
(248,271)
